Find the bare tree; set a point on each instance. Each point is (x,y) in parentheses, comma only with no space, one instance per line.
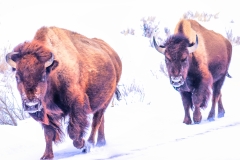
(10,110)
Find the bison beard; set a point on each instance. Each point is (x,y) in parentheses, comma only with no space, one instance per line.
(62,73)
(196,68)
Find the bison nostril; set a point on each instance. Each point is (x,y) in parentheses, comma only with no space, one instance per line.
(176,79)
(32,106)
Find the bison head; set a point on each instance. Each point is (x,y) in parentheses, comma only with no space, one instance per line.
(31,60)
(177,50)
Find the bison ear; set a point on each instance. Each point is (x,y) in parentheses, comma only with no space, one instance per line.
(52,66)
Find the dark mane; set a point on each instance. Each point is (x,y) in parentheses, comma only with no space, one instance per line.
(35,48)
(176,42)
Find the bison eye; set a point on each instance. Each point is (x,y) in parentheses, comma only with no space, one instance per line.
(18,79)
(43,79)
(184,60)
(167,60)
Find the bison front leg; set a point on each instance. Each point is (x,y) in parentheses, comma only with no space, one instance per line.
(49,133)
(77,130)
(187,104)
(200,99)
(76,134)
(197,115)
(79,123)
(197,101)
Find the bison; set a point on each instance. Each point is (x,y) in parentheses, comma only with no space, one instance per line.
(61,75)
(197,61)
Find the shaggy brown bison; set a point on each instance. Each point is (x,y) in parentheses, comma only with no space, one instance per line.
(62,73)
(197,61)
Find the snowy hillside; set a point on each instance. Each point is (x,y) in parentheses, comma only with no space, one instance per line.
(146,124)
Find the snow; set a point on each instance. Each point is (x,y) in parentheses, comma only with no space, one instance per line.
(146,124)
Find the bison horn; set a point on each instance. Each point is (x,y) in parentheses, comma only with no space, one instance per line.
(160,49)
(194,46)
(9,59)
(50,61)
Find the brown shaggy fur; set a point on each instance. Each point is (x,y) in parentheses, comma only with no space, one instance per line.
(203,71)
(81,80)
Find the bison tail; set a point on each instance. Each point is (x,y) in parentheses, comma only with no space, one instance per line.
(228,75)
(118,94)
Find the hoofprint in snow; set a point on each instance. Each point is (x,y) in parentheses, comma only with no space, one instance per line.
(147,124)
(135,131)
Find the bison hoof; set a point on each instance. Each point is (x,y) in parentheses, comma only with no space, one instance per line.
(101,143)
(197,117)
(78,143)
(187,121)
(47,157)
(197,120)
(86,148)
(220,115)
(211,119)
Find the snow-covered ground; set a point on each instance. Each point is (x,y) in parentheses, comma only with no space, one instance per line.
(146,124)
